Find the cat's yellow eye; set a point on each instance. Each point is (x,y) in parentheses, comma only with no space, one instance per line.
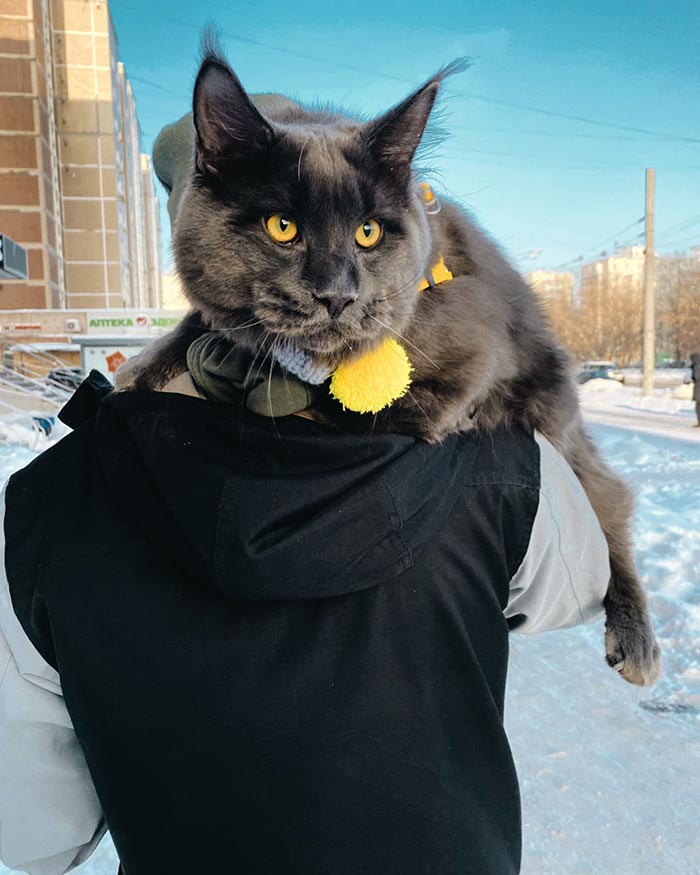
(281,229)
(368,234)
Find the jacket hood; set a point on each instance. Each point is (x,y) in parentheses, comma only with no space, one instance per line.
(274,509)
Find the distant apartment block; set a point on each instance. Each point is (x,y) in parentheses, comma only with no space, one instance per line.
(75,189)
(619,273)
(610,301)
(623,273)
(552,286)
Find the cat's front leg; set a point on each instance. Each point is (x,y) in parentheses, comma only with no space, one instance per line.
(161,360)
(422,413)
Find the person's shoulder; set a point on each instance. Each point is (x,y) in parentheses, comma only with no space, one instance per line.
(44,500)
(509,456)
(563,576)
(69,452)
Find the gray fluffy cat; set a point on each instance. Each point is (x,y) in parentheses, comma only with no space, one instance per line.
(308,226)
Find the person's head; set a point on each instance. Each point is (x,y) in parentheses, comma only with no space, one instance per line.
(695,357)
(302,225)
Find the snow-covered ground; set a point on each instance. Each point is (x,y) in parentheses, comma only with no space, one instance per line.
(610,773)
(669,411)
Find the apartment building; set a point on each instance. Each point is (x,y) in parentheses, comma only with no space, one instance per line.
(552,286)
(75,189)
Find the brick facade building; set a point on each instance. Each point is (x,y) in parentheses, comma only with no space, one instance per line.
(75,189)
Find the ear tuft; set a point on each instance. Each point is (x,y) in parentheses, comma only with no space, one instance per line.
(394,137)
(228,127)
(210,46)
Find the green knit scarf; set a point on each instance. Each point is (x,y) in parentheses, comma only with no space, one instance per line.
(221,372)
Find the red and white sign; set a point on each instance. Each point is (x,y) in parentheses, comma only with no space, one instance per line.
(107,358)
(115,361)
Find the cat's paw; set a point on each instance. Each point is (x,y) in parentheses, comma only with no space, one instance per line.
(126,376)
(630,645)
(136,374)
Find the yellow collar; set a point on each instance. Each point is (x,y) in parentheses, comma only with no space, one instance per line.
(438,274)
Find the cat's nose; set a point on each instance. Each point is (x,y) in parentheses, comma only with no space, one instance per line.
(337,302)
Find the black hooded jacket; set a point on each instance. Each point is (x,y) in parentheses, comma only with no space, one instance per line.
(281,649)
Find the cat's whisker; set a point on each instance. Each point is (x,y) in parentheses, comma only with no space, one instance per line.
(395,292)
(241,327)
(250,368)
(418,405)
(255,357)
(269,391)
(252,324)
(262,363)
(284,371)
(371,432)
(300,157)
(406,340)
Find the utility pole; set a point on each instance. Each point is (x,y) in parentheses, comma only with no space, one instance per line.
(649,344)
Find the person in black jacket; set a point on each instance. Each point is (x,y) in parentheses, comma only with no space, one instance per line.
(247,646)
(695,377)
(259,646)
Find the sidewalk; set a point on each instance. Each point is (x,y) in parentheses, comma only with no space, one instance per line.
(607,403)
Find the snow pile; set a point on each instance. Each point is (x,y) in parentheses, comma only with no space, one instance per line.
(662,376)
(662,414)
(662,401)
(599,385)
(610,773)
(676,400)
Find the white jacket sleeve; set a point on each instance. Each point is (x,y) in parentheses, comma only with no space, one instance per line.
(565,573)
(50,818)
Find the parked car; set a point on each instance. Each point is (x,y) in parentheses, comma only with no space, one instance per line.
(593,374)
(599,370)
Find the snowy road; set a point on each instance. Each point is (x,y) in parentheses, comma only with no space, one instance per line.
(646,421)
(664,413)
(610,773)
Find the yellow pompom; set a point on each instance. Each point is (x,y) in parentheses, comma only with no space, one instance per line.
(373,381)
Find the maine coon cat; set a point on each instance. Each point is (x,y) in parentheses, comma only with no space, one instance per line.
(308,226)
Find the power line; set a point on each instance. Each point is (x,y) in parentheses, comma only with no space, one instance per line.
(694,240)
(457,127)
(599,246)
(579,118)
(464,150)
(682,226)
(156,85)
(556,134)
(255,42)
(388,76)
(542,160)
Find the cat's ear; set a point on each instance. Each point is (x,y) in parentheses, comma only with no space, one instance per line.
(228,127)
(394,137)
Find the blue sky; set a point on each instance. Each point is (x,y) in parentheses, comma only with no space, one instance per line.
(535,180)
